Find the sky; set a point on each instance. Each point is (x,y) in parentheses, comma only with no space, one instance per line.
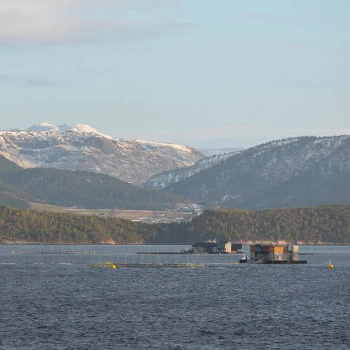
(204,73)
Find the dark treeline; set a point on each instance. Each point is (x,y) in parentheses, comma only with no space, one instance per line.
(23,225)
(310,225)
(327,224)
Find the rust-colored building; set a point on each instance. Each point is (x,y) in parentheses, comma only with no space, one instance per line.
(275,254)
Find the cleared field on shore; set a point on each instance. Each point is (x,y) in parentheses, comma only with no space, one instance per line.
(123,214)
(57,209)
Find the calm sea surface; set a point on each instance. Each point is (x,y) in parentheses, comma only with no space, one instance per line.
(50,298)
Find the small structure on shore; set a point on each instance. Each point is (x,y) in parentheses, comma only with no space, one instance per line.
(214,247)
(275,254)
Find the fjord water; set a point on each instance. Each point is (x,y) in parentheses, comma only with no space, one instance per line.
(52,299)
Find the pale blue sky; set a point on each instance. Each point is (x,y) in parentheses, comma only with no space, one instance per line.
(221,73)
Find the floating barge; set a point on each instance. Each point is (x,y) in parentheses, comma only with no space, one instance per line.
(274,254)
(207,247)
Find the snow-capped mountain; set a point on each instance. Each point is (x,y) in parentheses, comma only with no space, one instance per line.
(81,147)
(301,171)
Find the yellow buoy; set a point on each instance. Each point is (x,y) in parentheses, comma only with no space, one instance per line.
(112,266)
(234,263)
(330,265)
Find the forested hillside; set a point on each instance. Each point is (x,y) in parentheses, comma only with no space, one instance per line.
(13,197)
(314,224)
(84,190)
(10,195)
(7,165)
(327,224)
(45,227)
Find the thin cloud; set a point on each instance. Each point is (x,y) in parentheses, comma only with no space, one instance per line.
(245,135)
(277,133)
(313,132)
(63,21)
(26,81)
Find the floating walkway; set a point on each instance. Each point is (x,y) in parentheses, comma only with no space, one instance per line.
(42,252)
(186,252)
(145,265)
(160,253)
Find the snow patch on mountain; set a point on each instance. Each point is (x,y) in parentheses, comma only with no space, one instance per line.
(165,179)
(76,128)
(153,144)
(43,127)
(215,151)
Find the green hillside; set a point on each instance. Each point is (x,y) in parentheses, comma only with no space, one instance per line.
(310,225)
(23,225)
(328,224)
(313,224)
